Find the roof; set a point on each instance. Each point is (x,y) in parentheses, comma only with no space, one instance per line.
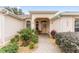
(70,13)
(43,12)
(20,17)
(24,16)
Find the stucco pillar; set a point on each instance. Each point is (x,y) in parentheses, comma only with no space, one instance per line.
(33,24)
(50,25)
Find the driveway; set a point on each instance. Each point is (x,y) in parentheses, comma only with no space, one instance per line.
(46,46)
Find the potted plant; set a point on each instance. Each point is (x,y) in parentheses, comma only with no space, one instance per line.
(53,33)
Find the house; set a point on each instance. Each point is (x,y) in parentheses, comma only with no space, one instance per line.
(42,21)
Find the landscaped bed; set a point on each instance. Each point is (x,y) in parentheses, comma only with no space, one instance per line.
(25,41)
(68,42)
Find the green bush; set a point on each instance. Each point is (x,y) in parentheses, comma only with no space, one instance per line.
(31,45)
(28,35)
(11,48)
(12,40)
(15,39)
(25,34)
(34,38)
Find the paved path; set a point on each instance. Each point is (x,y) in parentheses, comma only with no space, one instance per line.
(46,46)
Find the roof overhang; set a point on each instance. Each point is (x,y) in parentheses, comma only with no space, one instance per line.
(20,17)
(70,13)
(43,12)
(65,13)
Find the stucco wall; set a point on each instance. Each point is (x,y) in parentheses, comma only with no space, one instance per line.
(1,29)
(63,24)
(12,25)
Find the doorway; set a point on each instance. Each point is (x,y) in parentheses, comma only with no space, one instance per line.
(42,25)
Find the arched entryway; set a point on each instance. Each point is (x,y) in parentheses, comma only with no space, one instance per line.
(42,25)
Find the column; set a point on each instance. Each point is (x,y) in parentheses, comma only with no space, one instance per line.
(33,23)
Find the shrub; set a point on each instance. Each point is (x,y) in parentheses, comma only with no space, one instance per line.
(34,38)
(53,33)
(31,46)
(68,42)
(11,48)
(24,34)
(58,39)
(12,40)
(28,35)
(15,39)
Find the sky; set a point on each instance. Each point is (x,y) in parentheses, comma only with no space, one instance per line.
(26,9)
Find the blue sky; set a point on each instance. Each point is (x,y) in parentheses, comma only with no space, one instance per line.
(49,8)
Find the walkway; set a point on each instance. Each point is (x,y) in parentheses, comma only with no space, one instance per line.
(46,46)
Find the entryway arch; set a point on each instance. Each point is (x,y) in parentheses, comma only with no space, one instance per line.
(42,25)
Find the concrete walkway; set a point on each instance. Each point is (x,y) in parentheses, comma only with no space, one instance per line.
(46,46)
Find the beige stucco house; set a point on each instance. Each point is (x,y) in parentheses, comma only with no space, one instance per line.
(43,21)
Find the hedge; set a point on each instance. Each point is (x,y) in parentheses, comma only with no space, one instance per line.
(68,42)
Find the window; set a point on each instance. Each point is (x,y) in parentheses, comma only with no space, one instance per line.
(28,24)
(77,25)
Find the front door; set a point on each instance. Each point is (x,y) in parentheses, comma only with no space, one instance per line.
(44,26)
